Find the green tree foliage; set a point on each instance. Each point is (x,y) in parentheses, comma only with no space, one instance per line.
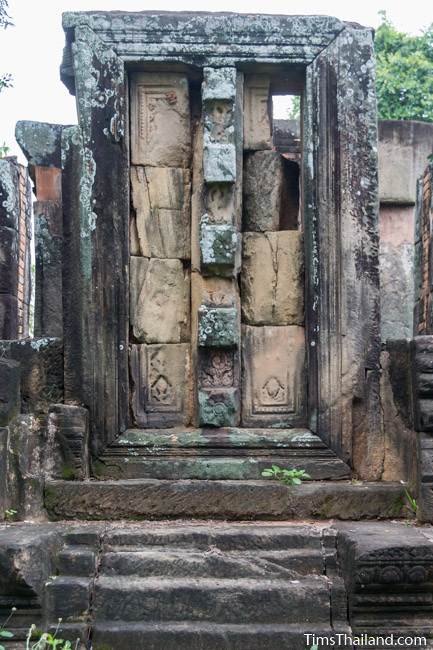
(404,73)
(5,21)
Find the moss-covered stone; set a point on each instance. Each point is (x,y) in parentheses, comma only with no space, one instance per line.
(219,162)
(219,248)
(218,326)
(218,408)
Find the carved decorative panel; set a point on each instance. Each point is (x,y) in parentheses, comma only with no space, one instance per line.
(217,369)
(160,120)
(161,385)
(257,126)
(273,375)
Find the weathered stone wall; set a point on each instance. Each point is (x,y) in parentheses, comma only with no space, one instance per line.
(15,255)
(403,150)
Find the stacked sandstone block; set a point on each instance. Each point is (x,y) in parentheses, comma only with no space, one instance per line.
(272,282)
(197,303)
(160,250)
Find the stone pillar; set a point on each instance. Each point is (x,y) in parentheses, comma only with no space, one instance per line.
(216,293)
(342,256)
(95,226)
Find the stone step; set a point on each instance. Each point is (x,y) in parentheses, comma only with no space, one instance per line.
(202,536)
(204,636)
(216,454)
(76,561)
(157,599)
(231,500)
(214,563)
(223,438)
(68,598)
(132,466)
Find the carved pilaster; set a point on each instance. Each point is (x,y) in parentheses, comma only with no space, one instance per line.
(218,320)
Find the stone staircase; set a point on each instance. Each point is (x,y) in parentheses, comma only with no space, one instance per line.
(203,586)
(190,473)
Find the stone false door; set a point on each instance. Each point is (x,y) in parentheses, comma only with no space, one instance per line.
(216,260)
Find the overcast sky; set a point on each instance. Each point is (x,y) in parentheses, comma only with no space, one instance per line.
(32,49)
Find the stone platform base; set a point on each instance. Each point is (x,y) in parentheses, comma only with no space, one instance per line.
(229,453)
(216,585)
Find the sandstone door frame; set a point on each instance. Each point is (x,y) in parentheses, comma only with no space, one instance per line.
(339,198)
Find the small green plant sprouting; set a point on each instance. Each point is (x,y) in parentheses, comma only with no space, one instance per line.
(9,514)
(47,640)
(412,504)
(287,476)
(4,149)
(5,634)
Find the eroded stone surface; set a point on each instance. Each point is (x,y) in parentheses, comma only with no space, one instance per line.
(272,278)
(273,375)
(159,295)
(219,162)
(239,500)
(219,84)
(160,119)
(161,198)
(161,385)
(257,125)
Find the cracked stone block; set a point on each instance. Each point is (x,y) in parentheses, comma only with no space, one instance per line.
(272,279)
(160,119)
(219,84)
(219,248)
(218,326)
(161,197)
(161,393)
(219,408)
(273,376)
(159,300)
(257,107)
(265,200)
(219,162)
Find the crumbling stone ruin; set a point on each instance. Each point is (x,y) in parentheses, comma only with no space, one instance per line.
(208,304)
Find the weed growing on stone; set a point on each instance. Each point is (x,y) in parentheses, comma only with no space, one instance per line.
(287,476)
(47,640)
(412,504)
(9,514)
(5,634)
